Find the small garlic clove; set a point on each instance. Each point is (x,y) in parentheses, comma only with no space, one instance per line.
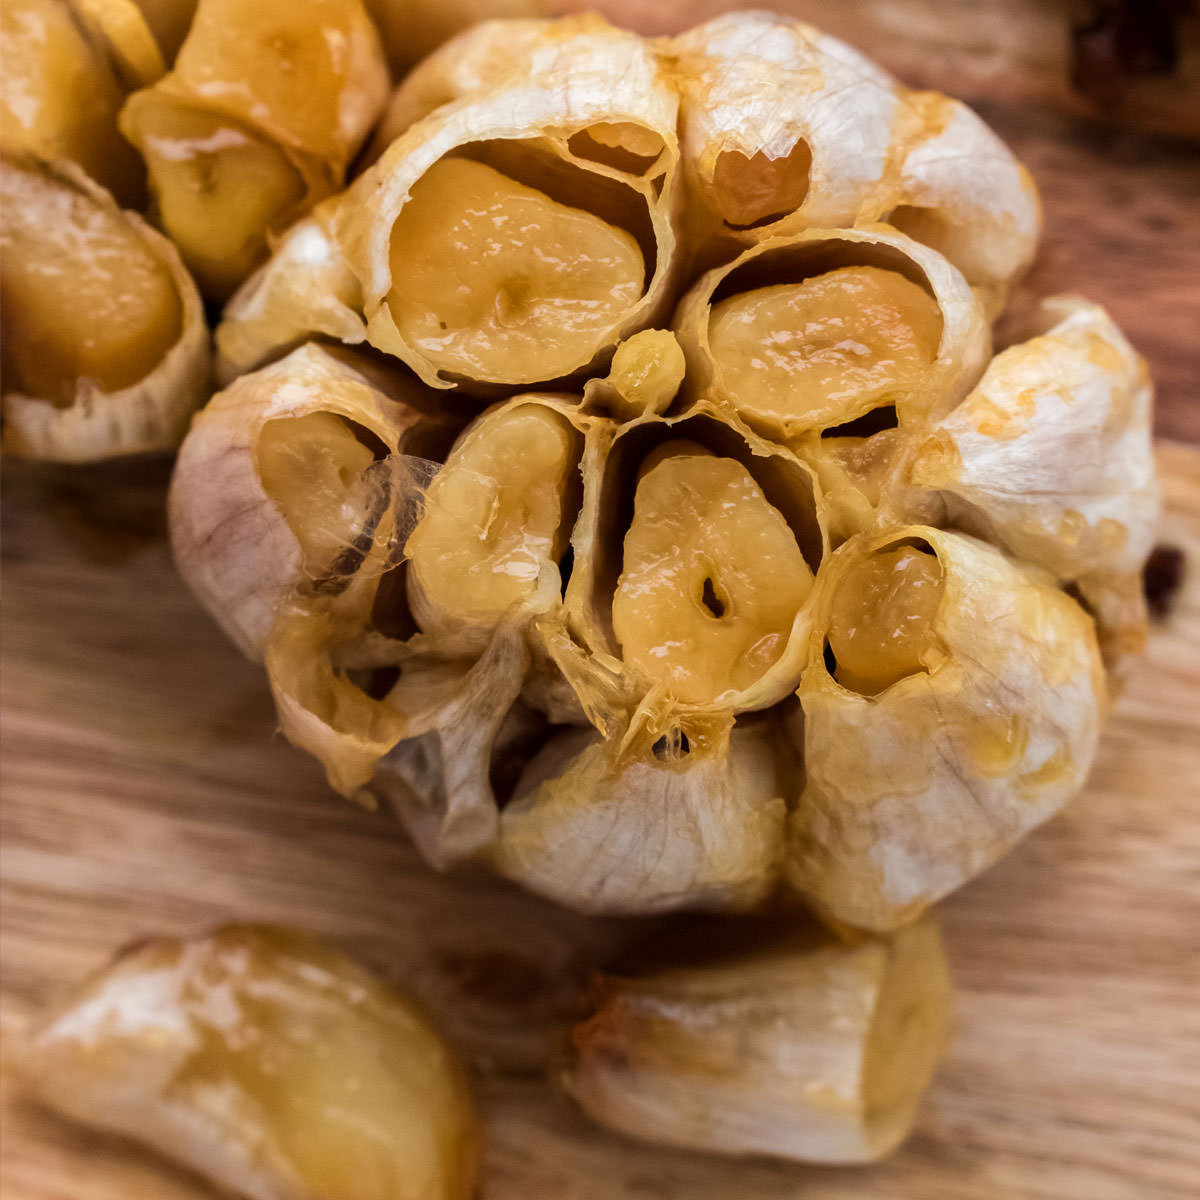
(811,1048)
(675,823)
(106,351)
(266,1061)
(956,706)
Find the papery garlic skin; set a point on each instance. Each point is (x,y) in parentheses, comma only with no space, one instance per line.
(811,1049)
(914,789)
(61,230)
(231,539)
(269,1063)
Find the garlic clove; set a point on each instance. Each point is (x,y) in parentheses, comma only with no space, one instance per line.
(957,706)
(105,347)
(811,1048)
(266,1061)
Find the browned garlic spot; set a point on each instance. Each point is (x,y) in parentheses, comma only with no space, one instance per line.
(545,286)
(712,578)
(882,617)
(828,349)
(82,294)
(495,520)
(218,186)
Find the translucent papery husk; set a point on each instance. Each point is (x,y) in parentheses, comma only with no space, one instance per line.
(536,126)
(785,127)
(60,93)
(232,538)
(1051,456)
(913,791)
(265,1061)
(806,1048)
(303,81)
(649,826)
(963,348)
(148,415)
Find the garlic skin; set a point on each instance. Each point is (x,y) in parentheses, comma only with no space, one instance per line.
(587,813)
(149,414)
(269,1063)
(913,789)
(231,540)
(811,1049)
(1078,393)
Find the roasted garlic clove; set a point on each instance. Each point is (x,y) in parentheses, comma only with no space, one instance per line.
(563,214)
(60,95)
(284,480)
(802,335)
(787,128)
(809,1048)
(105,349)
(264,109)
(952,703)
(655,825)
(1078,394)
(169,22)
(267,1062)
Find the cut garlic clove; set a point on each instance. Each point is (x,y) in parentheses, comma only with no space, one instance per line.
(957,707)
(60,96)
(677,823)
(267,1062)
(283,480)
(528,150)
(229,161)
(1078,394)
(857,320)
(810,1048)
(105,347)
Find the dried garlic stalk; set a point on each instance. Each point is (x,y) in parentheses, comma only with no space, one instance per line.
(269,1063)
(265,107)
(809,1049)
(105,347)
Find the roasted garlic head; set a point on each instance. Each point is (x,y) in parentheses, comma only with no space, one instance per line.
(269,1063)
(744,568)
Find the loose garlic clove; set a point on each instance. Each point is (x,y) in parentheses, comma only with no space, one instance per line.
(104,343)
(966,713)
(680,823)
(1078,394)
(545,278)
(269,1063)
(712,579)
(59,96)
(278,486)
(496,522)
(433,196)
(809,1049)
(259,119)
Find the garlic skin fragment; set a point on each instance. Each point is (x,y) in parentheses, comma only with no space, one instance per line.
(813,1049)
(232,542)
(915,787)
(66,242)
(605,829)
(258,120)
(269,1063)
(1077,394)
(583,79)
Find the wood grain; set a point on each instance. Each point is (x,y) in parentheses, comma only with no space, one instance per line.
(145,791)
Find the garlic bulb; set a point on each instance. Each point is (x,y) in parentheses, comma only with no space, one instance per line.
(807,1048)
(60,93)
(104,342)
(269,1063)
(265,107)
(709,603)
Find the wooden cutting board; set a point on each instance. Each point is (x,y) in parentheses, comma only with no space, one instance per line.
(146,790)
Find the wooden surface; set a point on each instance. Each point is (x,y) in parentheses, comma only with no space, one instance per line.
(145,788)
